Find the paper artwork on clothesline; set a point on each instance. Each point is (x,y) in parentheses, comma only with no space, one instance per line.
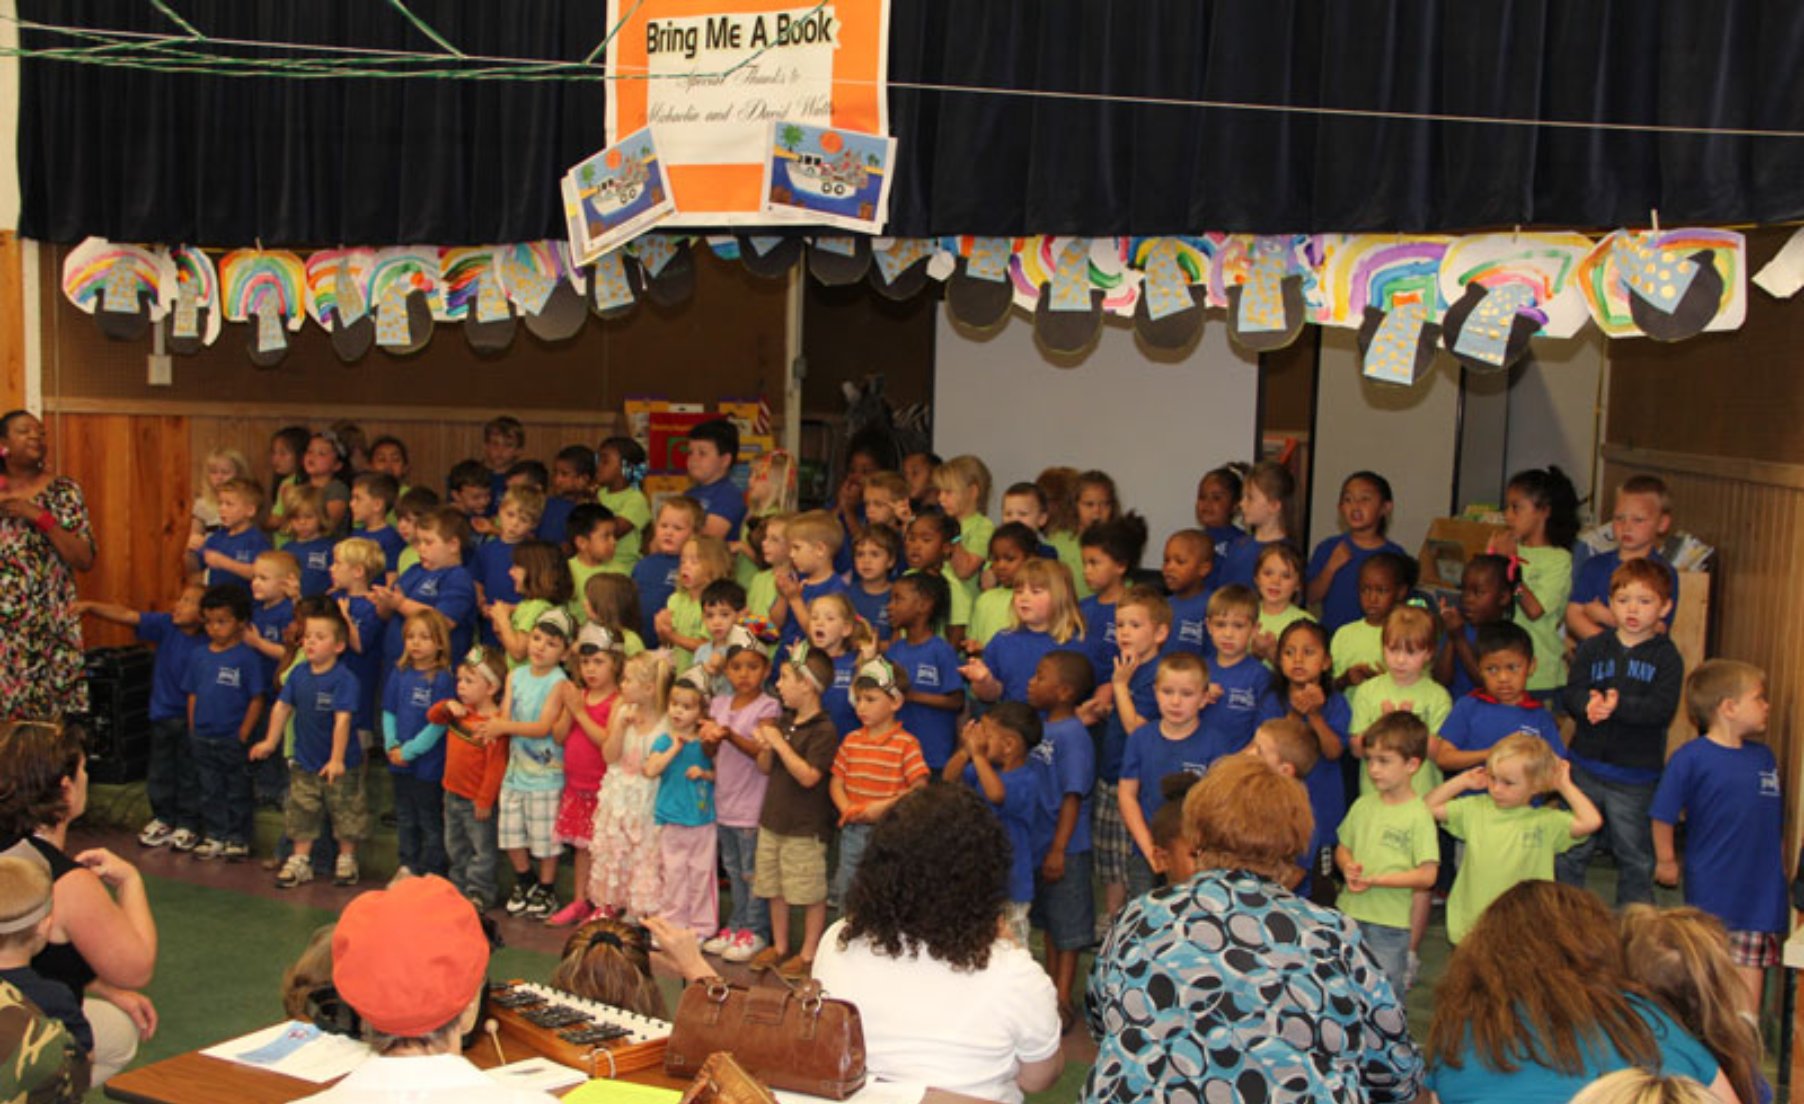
(267,287)
(191,296)
(1269,282)
(1503,289)
(407,293)
(1169,313)
(615,195)
(827,176)
(1388,287)
(1666,284)
(122,286)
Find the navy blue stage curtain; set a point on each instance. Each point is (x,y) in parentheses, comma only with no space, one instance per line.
(226,161)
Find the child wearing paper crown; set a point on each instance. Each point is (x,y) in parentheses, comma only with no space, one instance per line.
(473,770)
(874,767)
(683,764)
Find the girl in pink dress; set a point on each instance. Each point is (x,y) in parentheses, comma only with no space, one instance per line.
(590,707)
(625,870)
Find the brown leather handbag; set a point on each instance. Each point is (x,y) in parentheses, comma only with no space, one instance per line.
(797,1039)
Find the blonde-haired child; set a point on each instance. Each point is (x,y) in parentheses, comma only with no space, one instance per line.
(773,549)
(275,586)
(473,772)
(684,808)
(679,623)
(590,707)
(540,579)
(1508,839)
(814,540)
(1265,510)
(492,566)
(611,601)
(964,483)
(677,520)
(309,538)
(835,628)
(357,565)
(223,465)
(1045,616)
(226,553)
(886,500)
(626,874)
(415,745)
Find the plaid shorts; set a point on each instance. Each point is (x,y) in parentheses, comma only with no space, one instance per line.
(1110,842)
(525,818)
(1756,949)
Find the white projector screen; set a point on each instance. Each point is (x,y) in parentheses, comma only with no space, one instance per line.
(1156,426)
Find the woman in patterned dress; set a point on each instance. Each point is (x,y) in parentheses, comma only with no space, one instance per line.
(1230,987)
(44,539)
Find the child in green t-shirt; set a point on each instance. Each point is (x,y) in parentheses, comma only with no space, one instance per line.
(543,580)
(1508,840)
(1388,851)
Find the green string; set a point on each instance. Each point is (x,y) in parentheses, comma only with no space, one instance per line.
(614,30)
(422,26)
(176,19)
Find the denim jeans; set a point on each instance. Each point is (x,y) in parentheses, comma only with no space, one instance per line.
(223,768)
(738,853)
(1141,879)
(1625,809)
(170,781)
(853,839)
(419,824)
(471,847)
(1389,948)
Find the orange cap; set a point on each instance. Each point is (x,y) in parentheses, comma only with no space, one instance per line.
(410,958)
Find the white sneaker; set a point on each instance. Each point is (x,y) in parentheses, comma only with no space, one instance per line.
(155,834)
(745,947)
(210,849)
(183,839)
(722,940)
(298,870)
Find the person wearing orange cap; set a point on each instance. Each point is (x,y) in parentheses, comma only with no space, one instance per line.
(411,961)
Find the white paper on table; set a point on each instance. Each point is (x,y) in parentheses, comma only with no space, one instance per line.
(295,1049)
(874,1092)
(541,1074)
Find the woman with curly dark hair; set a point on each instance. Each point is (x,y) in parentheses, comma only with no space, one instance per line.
(946,996)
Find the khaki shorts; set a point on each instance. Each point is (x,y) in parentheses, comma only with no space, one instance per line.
(309,797)
(791,867)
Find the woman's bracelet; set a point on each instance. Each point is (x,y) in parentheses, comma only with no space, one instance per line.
(45,521)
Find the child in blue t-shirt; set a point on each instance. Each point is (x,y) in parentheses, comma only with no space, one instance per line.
(169,781)
(1303,689)
(373,496)
(1642,515)
(655,575)
(1189,559)
(572,485)
(1265,511)
(492,568)
(357,563)
(1484,599)
(1064,903)
(1365,513)
(875,553)
(1506,660)
(1045,616)
(224,685)
(325,776)
(309,539)
(936,691)
(438,582)
(1237,682)
(1110,550)
(1728,791)
(226,554)
(1217,496)
(415,746)
(713,450)
(813,538)
(993,760)
(1172,741)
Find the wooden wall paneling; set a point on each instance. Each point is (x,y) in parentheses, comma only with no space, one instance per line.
(1757,528)
(12,322)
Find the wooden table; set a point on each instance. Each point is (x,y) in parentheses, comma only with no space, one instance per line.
(195,1078)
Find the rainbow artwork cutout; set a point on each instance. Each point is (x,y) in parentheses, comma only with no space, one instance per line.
(1036,259)
(130,270)
(530,271)
(1235,255)
(1546,263)
(1384,271)
(322,284)
(408,269)
(254,279)
(1607,294)
(194,287)
(462,271)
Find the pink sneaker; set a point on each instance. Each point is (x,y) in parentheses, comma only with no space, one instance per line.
(719,942)
(575,912)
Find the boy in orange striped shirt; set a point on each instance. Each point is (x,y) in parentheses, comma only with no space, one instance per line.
(875,766)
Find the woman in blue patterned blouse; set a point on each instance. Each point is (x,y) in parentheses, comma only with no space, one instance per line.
(1230,987)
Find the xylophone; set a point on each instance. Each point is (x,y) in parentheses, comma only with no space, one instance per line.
(599,1039)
